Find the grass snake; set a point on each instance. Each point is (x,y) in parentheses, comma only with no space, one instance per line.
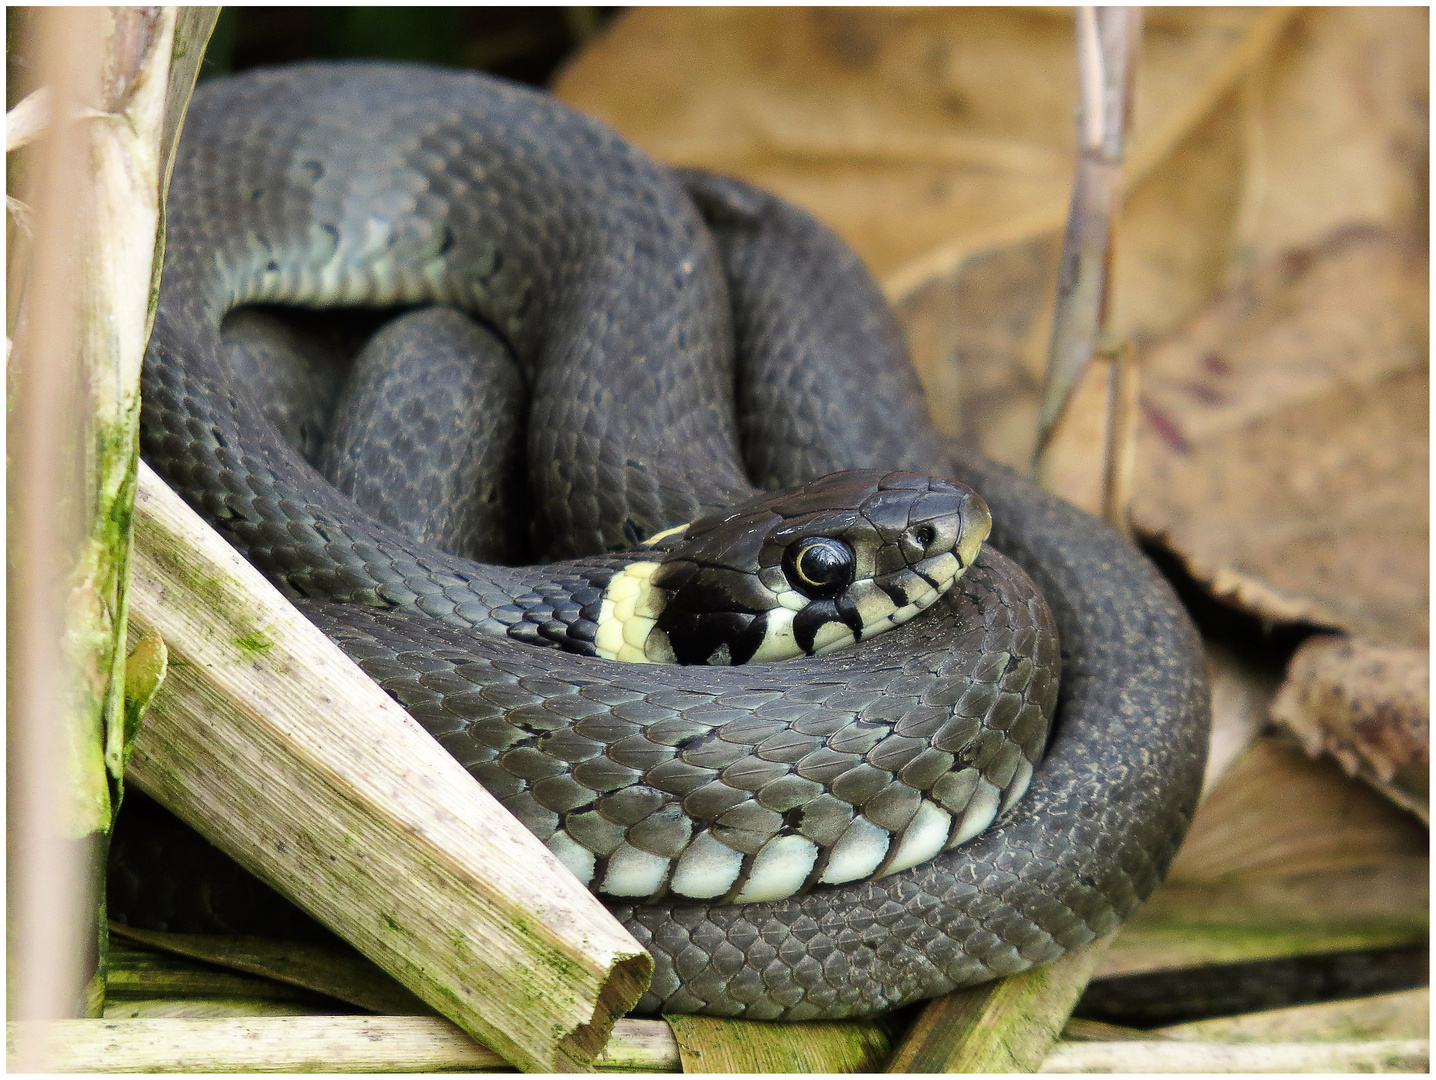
(626,293)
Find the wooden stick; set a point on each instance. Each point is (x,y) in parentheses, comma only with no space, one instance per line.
(274,745)
(135,974)
(351,1044)
(215,1007)
(1098,1031)
(1394,1055)
(330,1044)
(1004,1026)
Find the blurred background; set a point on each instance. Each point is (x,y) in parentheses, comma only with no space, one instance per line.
(526,44)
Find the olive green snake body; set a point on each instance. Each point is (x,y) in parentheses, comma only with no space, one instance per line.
(624,291)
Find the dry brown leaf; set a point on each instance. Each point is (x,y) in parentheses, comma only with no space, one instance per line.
(979,341)
(919,134)
(1176,237)
(1337,128)
(1329,131)
(1283,453)
(1367,705)
(1277,813)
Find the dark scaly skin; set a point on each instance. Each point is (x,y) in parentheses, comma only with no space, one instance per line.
(1106,808)
(827,384)
(538,220)
(470,467)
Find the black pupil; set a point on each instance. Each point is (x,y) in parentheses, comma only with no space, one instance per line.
(825,565)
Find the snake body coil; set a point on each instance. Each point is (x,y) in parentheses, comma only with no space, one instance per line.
(623,290)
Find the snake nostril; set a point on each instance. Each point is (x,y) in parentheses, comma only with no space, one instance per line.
(923,535)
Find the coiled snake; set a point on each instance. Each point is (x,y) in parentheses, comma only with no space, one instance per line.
(624,291)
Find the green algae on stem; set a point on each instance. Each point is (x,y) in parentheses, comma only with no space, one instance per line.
(145,670)
(255,643)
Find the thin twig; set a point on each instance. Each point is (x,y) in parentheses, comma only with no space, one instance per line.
(1121,438)
(1107,43)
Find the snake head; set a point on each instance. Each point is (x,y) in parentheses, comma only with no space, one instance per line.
(802,572)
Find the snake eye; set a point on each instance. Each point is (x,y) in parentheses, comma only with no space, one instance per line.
(820,566)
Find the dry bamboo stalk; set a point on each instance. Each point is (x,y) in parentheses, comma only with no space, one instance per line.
(78,309)
(325,969)
(1098,1031)
(129,976)
(67,558)
(706,1044)
(1004,1026)
(1186,929)
(1107,44)
(641,1046)
(352,1044)
(116,122)
(273,744)
(268,1044)
(330,1044)
(193,28)
(208,1008)
(1402,1015)
(1394,1055)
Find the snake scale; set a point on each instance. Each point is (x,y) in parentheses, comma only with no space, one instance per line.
(624,291)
